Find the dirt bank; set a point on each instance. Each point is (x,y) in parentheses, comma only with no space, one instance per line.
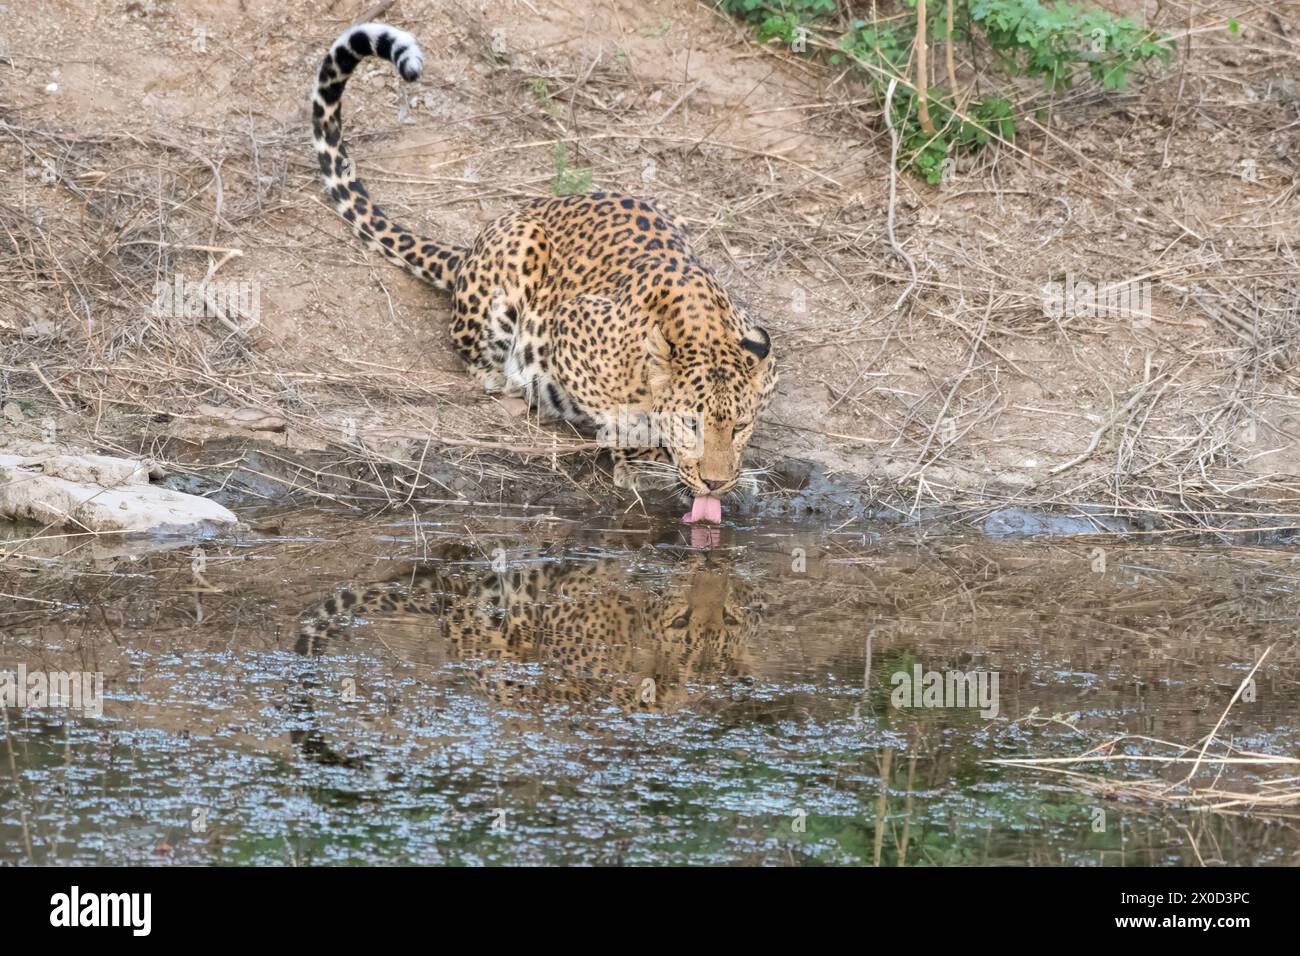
(147,142)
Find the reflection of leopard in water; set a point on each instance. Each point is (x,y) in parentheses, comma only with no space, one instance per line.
(597,636)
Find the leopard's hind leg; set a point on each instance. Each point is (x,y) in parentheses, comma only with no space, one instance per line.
(494,287)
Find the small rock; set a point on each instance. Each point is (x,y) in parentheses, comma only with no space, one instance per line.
(515,407)
(253,419)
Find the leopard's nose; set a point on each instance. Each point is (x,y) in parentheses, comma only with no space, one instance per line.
(713,484)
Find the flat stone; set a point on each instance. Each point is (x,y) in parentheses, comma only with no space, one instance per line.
(102,494)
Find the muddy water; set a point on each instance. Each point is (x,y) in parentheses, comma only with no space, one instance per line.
(550,688)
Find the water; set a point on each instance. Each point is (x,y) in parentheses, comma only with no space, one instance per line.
(552,688)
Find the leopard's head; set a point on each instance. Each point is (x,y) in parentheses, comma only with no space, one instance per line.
(708,386)
(706,627)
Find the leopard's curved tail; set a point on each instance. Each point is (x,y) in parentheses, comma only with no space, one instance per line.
(435,262)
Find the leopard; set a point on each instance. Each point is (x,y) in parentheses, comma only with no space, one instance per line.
(537,635)
(593,308)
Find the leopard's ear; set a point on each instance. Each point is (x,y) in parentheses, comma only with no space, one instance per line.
(660,355)
(757,342)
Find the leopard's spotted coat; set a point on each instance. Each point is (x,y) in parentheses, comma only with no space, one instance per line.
(592,307)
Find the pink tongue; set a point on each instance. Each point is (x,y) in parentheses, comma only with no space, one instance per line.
(705,508)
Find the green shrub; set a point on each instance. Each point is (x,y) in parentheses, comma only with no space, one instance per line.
(1053,41)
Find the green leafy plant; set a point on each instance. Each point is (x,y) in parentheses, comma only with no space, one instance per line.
(756,11)
(568,182)
(1052,40)
(542,94)
(779,19)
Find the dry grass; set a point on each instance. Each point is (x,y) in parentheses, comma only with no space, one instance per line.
(1273,791)
(145,361)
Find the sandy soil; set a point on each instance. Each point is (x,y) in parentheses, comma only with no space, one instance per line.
(146,139)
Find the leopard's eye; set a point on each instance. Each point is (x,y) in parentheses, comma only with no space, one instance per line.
(682,621)
(740,427)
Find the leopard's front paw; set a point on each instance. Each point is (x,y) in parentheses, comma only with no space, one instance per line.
(493,381)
